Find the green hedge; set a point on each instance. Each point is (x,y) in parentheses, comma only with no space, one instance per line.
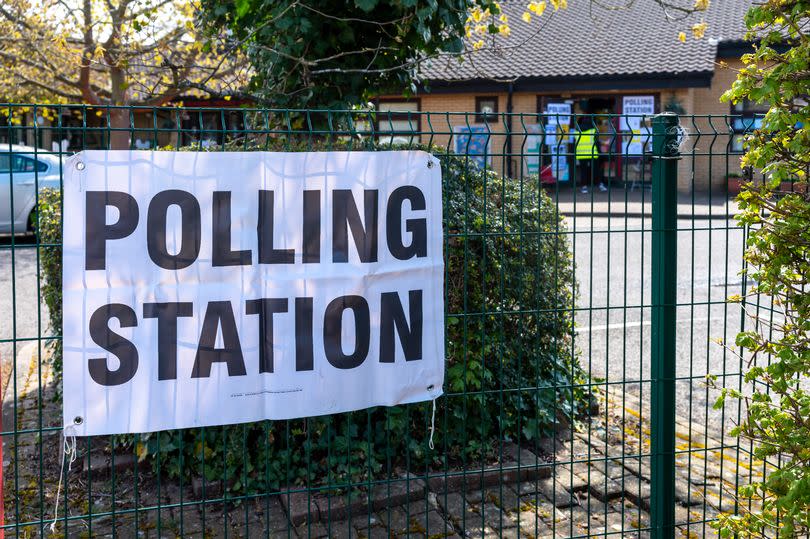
(49,233)
(510,372)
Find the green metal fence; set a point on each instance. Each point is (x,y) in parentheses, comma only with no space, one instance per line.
(584,299)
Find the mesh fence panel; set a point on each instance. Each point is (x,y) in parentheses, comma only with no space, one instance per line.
(544,429)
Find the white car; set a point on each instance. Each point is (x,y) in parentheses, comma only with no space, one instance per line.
(22,170)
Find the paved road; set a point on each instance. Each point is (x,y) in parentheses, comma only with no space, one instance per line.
(613,268)
(614,273)
(19,316)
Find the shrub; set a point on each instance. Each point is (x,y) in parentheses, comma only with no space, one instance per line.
(776,400)
(511,372)
(49,233)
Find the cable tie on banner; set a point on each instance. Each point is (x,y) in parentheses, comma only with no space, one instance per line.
(68,454)
(432,425)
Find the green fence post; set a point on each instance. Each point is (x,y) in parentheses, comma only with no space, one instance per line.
(664,283)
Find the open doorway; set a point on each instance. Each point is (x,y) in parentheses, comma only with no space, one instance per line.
(621,161)
(603,110)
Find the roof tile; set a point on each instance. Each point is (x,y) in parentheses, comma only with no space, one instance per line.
(588,40)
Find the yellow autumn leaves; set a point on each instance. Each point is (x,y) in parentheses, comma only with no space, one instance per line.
(698,29)
(483,22)
(538,7)
(152,43)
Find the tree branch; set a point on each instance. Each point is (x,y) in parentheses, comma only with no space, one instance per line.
(84,70)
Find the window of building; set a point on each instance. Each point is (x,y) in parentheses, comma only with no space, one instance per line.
(747,117)
(398,122)
(486,109)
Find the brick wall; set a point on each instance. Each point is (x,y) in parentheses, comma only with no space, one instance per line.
(696,170)
(448,111)
(710,135)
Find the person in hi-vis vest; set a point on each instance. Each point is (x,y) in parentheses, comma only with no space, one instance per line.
(587,154)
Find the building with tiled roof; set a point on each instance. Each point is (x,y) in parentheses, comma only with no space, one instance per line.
(597,46)
(592,59)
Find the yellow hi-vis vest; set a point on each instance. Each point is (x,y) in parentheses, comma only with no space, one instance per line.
(586,144)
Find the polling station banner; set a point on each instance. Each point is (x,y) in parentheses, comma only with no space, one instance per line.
(225,287)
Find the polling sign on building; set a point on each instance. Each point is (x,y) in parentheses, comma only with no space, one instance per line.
(215,288)
(635,110)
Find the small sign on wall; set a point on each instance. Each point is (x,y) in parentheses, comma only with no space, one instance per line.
(634,107)
(218,288)
(473,143)
(635,133)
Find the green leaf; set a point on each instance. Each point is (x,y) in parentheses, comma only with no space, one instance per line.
(242,8)
(366,5)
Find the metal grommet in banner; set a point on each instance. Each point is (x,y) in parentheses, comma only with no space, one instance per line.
(78,420)
(79,165)
(430,163)
(430,387)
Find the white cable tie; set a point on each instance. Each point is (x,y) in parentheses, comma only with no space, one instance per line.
(432,425)
(69,454)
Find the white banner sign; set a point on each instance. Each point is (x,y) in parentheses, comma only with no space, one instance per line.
(559,113)
(218,288)
(630,124)
(633,108)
